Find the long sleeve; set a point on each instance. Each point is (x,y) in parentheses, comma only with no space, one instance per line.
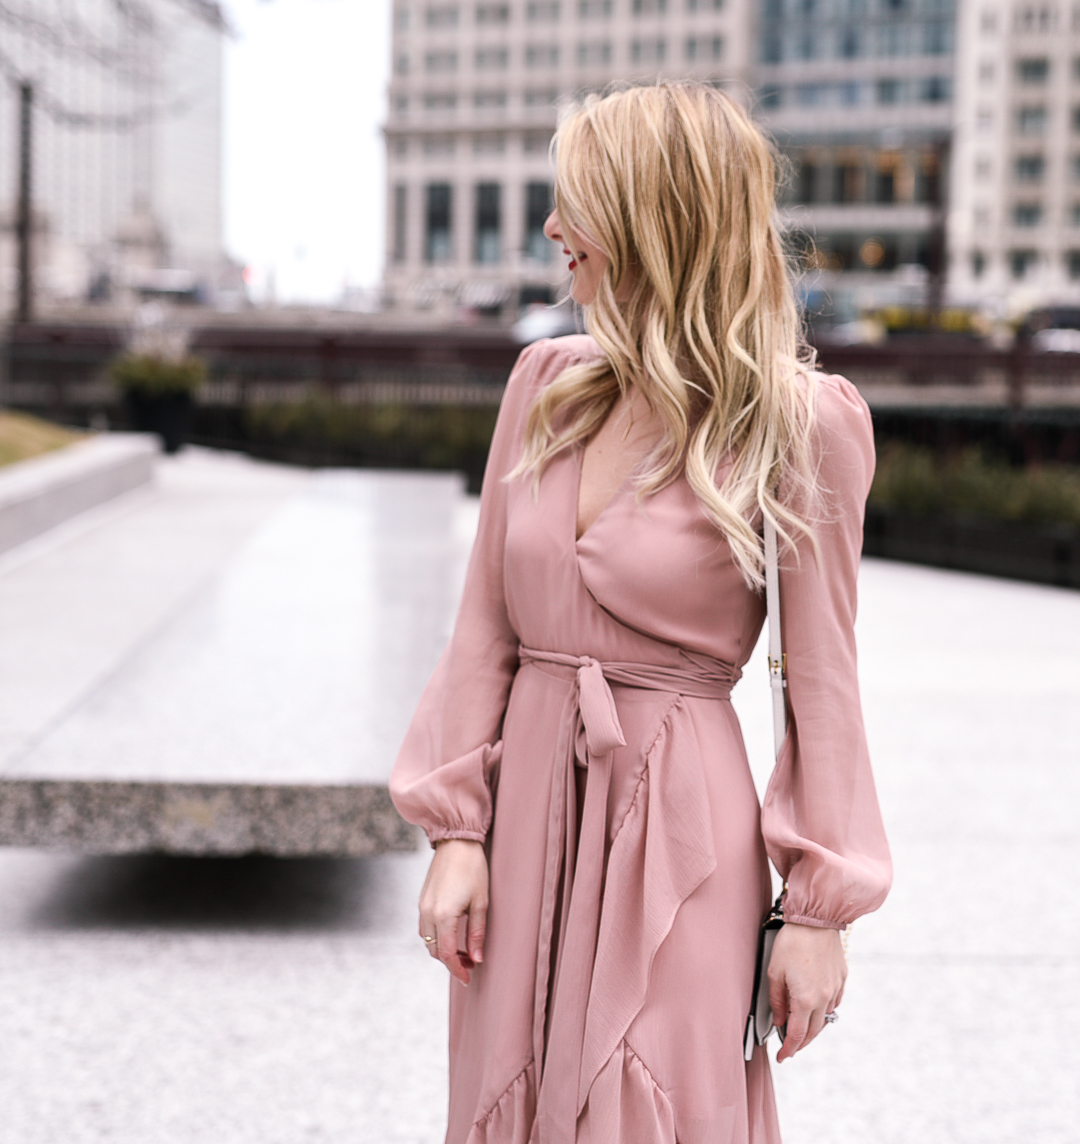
(442,778)
(820,815)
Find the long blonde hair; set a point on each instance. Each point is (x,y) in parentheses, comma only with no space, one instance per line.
(676,186)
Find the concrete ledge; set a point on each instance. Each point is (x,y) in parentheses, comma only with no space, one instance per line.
(40,493)
(201,818)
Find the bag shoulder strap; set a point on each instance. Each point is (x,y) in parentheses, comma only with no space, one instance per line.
(777,657)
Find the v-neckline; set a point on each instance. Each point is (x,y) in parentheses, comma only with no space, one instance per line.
(579,462)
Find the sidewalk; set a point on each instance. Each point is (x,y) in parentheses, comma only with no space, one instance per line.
(259,1001)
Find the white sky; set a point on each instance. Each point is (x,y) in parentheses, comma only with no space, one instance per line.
(305,99)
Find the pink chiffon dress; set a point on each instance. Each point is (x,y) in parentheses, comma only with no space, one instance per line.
(579,725)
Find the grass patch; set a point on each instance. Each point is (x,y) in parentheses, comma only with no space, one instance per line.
(912,479)
(23,436)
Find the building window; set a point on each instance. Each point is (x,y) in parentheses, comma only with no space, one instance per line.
(443,16)
(401,64)
(399,250)
(401,19)
(538,205)
(542,11)
(1076,67)
(851,93)
(488,223)
(1022,261)
(1075,166)
(805,178)
(935,89)
(978,263)
(888,91)
(488,100)
(849,44)
(401,148)
(540,97)
(536,142)
(649,7)
(1072,263)
(1027,214)
(988,24)
(401,104)
(810,94)
(771,97)
(490,143)
(439,145)
(1033,70)
(772,50)
(704,5)
(986,72)
(1029,168)
(492,59)
(648,51)
(982,169)
(1031,120)
(493,13)
(440,101)
(440,63)
(1074,214)
(937,38)
(594,9)
(847,178)
(437,204)
(703,48)
(541,55)
(885,186)
(594,52)
(807,47)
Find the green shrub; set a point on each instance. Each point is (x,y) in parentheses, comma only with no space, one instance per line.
(971,484)
(150,375)
(424,436)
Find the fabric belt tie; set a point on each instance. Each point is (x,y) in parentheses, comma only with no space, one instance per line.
(574,869)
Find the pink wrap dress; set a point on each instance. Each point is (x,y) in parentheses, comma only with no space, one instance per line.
(579,725)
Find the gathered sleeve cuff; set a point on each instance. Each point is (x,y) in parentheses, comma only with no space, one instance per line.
(447,766)
(820,815)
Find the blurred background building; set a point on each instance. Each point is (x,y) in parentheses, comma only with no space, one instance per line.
(933,146)
(126,151)
(472,109)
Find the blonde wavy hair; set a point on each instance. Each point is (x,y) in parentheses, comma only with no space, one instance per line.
(676,186)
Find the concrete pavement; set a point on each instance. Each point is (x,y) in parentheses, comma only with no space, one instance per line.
(222,1001)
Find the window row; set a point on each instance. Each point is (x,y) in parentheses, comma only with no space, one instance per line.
(857,93)
(1034,214)
(864,252)
(856,9)
(488,237)
(912,180)
(1022,264)
(501,12)
(435,146)
(695,48)
(933,38)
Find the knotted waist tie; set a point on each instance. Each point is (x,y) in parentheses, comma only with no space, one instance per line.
(568,1050)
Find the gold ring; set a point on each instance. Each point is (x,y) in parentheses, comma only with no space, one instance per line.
(429,940)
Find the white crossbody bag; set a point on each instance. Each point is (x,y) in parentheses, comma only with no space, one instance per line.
(759,1023)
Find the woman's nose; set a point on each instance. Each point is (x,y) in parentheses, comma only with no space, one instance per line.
(551,227)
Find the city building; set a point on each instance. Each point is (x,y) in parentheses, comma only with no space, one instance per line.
(1014,211)
(126,146)
(473,104)
(860,95)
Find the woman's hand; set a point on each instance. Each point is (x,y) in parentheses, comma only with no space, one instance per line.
(807,969)
(456,886)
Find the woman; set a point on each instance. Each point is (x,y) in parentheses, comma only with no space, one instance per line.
(600,867)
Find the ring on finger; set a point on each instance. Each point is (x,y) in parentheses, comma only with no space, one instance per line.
(429,940)
(830,1017)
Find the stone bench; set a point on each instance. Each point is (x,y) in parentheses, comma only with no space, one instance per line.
(261,712)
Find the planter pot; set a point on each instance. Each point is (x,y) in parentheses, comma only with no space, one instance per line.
(166,414)
(1040,553)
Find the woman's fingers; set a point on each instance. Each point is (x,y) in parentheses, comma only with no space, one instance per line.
(453,906)
(477,930)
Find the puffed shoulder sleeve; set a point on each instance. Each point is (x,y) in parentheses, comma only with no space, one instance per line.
(820,815)
(442,777)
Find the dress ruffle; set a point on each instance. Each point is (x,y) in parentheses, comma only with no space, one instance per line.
(626,1104)
(511,1119)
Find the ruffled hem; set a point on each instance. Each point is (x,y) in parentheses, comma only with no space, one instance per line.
(625,1103)
(511,1119)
